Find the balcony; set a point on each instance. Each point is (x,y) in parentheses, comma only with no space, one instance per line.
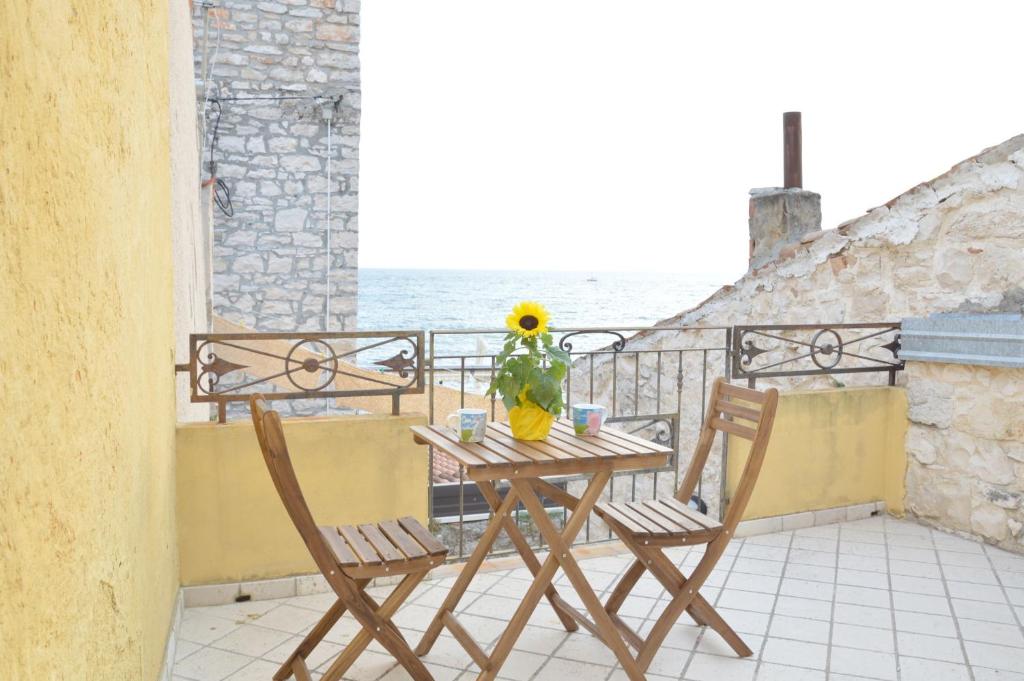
(874,597)
(824,581)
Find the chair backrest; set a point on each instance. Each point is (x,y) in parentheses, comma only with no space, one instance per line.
(746,413)
(275,453)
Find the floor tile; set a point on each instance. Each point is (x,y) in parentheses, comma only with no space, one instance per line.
(934,605)
(915,669)
(251,640)
(918,585)
(776,672)
(979,610)
(799,611)
(995,657)
(716,668)
(864,638)
(289,619)
(210,664)
(923,623)
(929,647)
(558,668)
(992,632)
(803,607)
(521,665)
(257,670)
(202,628)
(859,595)
(714,644)
(976,592)
(795,653)
(799,628)
(865,663)
(860,615)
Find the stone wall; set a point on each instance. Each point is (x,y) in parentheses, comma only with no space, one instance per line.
(951,244)
(276,67)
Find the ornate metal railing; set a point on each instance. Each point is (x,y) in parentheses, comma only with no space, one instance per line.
(787,350)
(654,382)
(230,367)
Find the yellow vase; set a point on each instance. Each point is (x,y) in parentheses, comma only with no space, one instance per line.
(530,422)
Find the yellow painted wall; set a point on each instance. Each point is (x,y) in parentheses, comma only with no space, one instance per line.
(231,523)
(88,560)
(829,448)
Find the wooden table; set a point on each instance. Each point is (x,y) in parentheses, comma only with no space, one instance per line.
(523,464)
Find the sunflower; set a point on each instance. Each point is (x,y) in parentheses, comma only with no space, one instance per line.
(528,319)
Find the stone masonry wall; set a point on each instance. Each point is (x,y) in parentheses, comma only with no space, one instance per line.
(955,243)
(269,62)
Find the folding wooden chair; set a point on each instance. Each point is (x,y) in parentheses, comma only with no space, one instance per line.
(647,527)
(349,557)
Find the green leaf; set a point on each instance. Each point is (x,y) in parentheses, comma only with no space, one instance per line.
(557,354)
(509,400)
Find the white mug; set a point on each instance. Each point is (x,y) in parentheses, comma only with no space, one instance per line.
(469,424)
(587,419)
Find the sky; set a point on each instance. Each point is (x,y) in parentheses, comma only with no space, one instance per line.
(624,136)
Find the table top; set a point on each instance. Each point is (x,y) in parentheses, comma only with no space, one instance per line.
(500,456)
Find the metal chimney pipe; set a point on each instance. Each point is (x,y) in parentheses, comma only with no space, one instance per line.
(792,151)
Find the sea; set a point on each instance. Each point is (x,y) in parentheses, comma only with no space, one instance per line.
(400,299)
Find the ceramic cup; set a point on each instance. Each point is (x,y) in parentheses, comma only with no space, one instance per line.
(587,419)
(469,424)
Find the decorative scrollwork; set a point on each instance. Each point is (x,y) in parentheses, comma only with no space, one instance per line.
(312,365)
(828,351)
(748,351)
(399,363)
(212,368)
(303,365)
(617,345)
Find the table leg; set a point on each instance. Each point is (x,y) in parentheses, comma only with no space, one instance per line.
(490,494)
(543,578)
(483,547)
(560,548)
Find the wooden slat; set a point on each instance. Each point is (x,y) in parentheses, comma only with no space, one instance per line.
(630,636)
(614,514)
(420,534)
(642,444)
(384,548)
(547,447)
(738,410)
(342,553)
(483,453)
(669,512)
(662,520)
(496,435)
(742,393)
(606,439)
(578,616)
(556,494)
(693,515)
(467,642)
(400,538)
(359,545)
(734,428)
(650,526)
(428,436)
(559,433)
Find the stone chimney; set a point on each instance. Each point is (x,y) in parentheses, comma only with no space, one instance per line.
(780,216)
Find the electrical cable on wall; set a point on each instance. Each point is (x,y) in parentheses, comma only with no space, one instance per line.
(221,193)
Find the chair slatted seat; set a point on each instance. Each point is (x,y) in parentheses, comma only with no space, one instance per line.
(647,527)
(349,556)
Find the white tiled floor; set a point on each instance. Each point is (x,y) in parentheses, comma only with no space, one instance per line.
(871,599)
